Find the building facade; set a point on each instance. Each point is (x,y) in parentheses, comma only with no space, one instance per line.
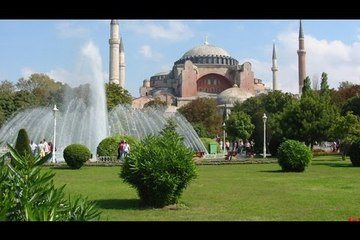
(203,71)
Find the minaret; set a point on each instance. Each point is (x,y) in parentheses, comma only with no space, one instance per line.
(274,69)
(302,64)
(122,64)
(114,43)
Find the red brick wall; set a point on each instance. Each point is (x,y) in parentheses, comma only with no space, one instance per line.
(188,79)
(213,83)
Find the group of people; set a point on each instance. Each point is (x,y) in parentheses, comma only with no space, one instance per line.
(239,146)
(43,148)
(123,149)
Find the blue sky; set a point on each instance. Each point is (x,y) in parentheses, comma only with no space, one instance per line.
(54,47)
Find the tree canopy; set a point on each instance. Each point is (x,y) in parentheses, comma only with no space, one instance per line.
(203,113)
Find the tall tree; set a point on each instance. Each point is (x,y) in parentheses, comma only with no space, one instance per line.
(307,86)
(116,95)
(203,112)
(324,86)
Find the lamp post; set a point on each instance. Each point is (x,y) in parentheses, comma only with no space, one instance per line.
(264,120)
(53,148)
(224,135)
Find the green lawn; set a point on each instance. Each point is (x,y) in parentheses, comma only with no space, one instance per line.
(328,190)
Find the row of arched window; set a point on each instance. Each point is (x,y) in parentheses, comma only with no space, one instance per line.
(210,60)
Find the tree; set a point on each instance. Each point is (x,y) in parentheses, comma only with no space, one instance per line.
(239,125)
(324,86)
(308,120)
(7,104)
(7,87)
(24,99)
(345,84)
(41,85)
(307,86)
(352,105)
(116,95)
(2,117)
(203,111)
(156,102)
(346,129)
(344,93)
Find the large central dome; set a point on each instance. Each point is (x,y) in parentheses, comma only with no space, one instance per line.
(206,50)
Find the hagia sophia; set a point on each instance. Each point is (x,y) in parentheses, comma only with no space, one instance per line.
(203,71)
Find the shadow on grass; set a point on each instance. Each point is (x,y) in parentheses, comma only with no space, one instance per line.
(60,167)
(273,171)
(119,204)
(338,164)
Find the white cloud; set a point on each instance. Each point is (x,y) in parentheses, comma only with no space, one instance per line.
(172,30)
(72,30)
(147,52)
(339,60)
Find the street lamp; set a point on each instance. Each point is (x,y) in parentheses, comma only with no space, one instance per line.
(264,120)
(224,136)
(53,148)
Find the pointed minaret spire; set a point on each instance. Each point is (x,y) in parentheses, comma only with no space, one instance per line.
(121,45)
(301,33)
(274,51)
(301,59)
(206,41)
(274,69)
(114,43)
(122,64)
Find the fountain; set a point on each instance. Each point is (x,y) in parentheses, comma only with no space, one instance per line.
(141,122)
(86,121)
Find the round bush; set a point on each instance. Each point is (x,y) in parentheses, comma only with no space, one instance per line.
(75,155)
(293,156)
(354,153)
(274,145)
(108,146)
(159,168)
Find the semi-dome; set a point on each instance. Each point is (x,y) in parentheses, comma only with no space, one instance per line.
(206,50)
(232,95)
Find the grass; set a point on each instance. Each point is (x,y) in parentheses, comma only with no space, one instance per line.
(329,190)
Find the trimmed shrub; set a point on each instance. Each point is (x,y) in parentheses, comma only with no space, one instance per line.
(75,155)
(207,141)
(293,156)
(354,153)
(159,168)
(23,143)
(274,145)
(108,146)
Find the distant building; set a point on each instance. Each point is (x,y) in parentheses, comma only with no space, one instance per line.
(203,71)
